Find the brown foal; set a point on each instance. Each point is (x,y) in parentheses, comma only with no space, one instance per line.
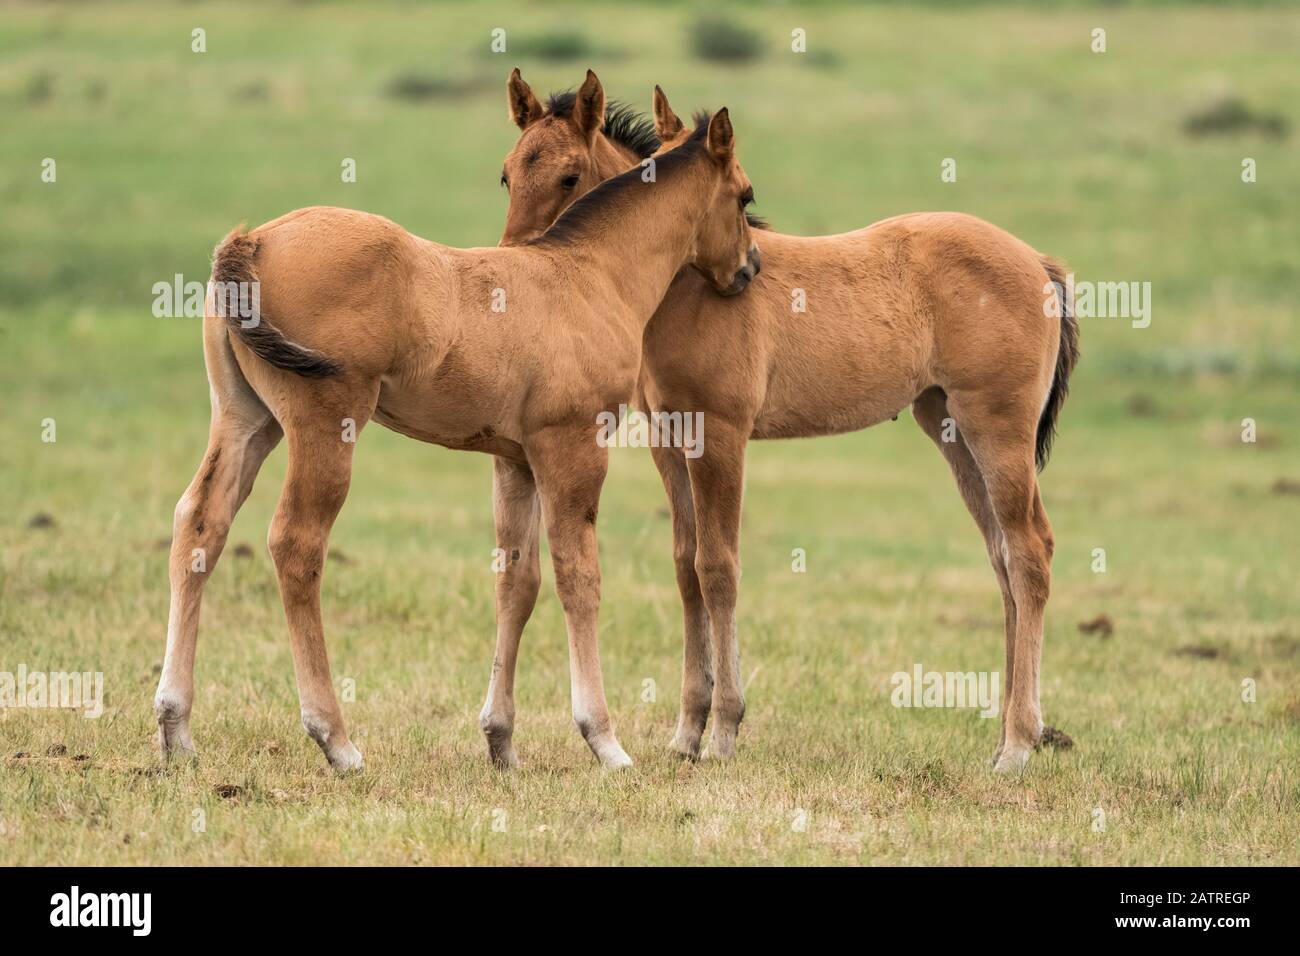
(941,311)
(510,351)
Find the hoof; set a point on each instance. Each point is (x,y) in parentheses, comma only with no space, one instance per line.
(604,744)
(174,738)
(174,751)
(722,747)
(499,733)
(616,759)
(503,757)
(686,746)
(1012,760)
(346,759)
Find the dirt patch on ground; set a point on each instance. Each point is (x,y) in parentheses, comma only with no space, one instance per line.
(1056,739)
(1101,625)
(1286,486)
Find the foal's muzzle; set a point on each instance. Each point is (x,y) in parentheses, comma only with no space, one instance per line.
(744,276)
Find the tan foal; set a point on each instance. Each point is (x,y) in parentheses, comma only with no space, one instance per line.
(941,311)
(510,351)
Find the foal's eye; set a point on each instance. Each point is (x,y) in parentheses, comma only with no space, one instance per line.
(747,197)
(568,182)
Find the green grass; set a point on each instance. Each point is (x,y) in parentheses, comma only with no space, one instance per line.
(160,151)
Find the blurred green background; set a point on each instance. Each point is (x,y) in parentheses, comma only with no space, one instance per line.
(1126,164)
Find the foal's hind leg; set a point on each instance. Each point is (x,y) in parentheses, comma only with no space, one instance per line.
(1000,432)
(516,508)
(241,435)
(320,470)
(930,410)
(697,664)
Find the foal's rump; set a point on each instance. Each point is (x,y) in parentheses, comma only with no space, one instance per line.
(320,291)
(1000,317)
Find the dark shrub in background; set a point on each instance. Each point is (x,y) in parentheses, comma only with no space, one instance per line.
(714,37)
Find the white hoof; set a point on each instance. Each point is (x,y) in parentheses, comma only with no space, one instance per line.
(1012,760)
(174,738)
(346,759)
(615,759)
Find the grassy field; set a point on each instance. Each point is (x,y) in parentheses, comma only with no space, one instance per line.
(160,151)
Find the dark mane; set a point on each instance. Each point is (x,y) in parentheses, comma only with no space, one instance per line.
(623,124)
(582,213)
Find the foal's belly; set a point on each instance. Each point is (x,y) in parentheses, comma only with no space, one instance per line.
(833,400)
(437,414)
(810,419)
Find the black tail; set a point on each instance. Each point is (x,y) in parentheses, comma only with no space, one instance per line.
(234,276)
(1066,357)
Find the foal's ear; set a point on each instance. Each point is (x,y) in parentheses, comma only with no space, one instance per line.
(524,108)
(589,106)
(667,125)
(722,140)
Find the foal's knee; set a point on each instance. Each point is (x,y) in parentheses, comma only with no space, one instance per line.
(688,581)
(578,588)
(522,580)
(719,577)
(298,555)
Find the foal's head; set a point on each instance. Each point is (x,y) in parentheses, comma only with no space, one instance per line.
(576,141)
(725,252)
(566,148)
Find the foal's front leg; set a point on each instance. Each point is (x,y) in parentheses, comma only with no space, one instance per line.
(717,485)
(570,469)
(515,509)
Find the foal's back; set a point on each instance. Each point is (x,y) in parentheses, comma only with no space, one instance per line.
(468,345)
(841,332)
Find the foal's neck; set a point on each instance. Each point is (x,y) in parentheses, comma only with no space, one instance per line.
(637,234)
